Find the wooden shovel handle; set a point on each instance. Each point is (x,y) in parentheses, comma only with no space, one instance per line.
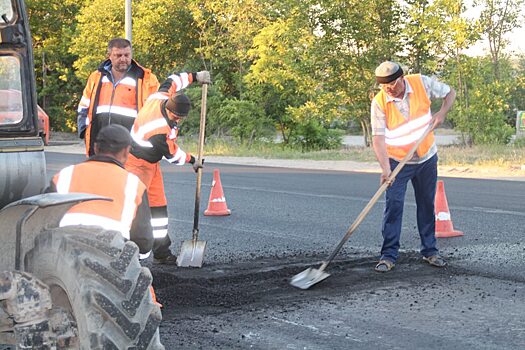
(202,131)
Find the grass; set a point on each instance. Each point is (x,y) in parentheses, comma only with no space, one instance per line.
(483,155)
(479,155)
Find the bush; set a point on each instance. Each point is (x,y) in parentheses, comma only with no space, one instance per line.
(311,135)
(484,122)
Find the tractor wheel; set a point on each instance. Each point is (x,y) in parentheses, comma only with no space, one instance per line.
(95,277)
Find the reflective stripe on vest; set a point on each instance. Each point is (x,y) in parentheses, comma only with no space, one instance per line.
(120,99)
(180,81)
(72,219)
(402,133)
(151,122)
(124,188)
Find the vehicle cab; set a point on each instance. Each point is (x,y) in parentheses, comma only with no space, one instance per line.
(22,160)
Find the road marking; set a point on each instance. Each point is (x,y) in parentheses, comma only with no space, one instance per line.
(313,328)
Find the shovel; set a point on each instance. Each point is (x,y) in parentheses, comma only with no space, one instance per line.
(311,276)
(192,251)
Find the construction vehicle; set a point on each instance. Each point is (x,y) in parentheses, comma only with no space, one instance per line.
(75,287)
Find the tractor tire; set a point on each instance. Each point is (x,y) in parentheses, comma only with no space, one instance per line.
(95,277)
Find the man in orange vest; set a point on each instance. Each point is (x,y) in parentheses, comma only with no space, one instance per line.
(114,93)
(400,114)
(154,135)
(103,174)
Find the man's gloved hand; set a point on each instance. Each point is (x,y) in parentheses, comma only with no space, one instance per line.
(204,77)
(195,164)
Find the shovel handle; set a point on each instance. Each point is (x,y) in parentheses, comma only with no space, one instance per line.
(376,196)
(202,130)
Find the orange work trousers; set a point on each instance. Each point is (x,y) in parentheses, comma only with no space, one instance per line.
(151,176)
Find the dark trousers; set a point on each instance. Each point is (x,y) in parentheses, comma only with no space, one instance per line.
(162,241)
(423,177)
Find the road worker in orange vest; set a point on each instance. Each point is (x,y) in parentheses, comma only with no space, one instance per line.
(154,135)
(400,114)
(114,93)
(103,174)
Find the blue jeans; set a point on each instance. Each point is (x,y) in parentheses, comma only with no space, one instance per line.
(423,177)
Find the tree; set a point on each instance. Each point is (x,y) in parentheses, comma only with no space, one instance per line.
(354,37)
(165,37)
(226,30)
(52,23)
(98,23)
(484,120)
(279,76)
(498,18)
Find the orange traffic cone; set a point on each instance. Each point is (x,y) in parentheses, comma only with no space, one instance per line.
(217,203)
(153,296)
(444,227)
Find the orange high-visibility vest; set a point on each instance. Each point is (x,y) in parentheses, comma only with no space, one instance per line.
(401,134)
(151,122)
(113,182)
(126,99)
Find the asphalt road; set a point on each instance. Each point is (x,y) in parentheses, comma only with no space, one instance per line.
(285,220)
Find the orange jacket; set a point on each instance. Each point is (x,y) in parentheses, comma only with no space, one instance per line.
(154,135)
(126,190)
(122,101)
(401,134)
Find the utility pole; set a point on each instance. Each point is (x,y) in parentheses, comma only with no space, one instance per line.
(44,76)
(127,26)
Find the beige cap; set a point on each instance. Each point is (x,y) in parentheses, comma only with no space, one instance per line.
(388,71)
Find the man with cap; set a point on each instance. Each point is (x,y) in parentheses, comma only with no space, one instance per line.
(103,174)
(154,135)
(400,114)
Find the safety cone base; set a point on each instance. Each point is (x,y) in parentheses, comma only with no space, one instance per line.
(223,212)
(447,234)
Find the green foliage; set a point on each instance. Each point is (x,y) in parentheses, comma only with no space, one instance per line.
(164,37)
(59,90)
(310,133)
(301,67)
(245,120)
(497,18)
(485,120)
(279,77)
(519,142)
(99,21)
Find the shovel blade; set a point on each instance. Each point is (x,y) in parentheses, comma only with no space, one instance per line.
(191,254)
(308,278)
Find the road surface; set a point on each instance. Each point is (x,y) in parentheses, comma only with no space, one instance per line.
(285,220)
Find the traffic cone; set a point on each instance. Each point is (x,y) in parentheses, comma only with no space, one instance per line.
(444,227)
(217,203)
(153,296)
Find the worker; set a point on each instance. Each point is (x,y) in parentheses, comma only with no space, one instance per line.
(400,114)
(114,93)
(103,174)
(154,135)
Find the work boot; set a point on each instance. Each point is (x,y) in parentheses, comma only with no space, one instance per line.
(168,259)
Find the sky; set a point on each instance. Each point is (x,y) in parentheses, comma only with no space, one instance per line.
(517,44)
(516,37)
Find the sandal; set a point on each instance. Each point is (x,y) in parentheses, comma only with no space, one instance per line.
(435,260)
(384,266)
